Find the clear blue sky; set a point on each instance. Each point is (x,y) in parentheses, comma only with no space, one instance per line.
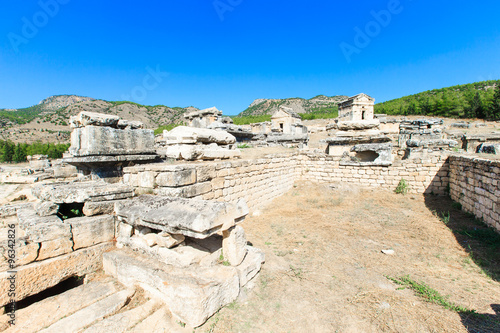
(226,53)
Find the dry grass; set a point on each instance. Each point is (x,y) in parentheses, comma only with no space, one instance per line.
(325,271)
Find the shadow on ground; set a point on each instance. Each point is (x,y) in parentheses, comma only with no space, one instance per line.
(483,245)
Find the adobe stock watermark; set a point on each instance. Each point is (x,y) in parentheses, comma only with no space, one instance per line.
(363,37)
(150,82)
(223,6)
(30,27)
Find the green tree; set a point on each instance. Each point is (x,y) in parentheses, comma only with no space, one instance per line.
(19,154)
(476,109)
(8,152)
(494,109)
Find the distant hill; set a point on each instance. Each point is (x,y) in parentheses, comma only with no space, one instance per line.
(318,104)
(473,100)
(48,120)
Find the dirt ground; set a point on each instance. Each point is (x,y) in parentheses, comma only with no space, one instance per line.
(325,270)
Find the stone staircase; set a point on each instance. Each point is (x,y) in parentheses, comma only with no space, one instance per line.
(99,306)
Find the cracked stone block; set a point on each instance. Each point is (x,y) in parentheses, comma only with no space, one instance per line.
(88,231)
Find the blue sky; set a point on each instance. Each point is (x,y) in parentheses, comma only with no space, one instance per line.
(226,53)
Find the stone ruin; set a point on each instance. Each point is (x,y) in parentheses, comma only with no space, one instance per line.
(190,143)
(356,137)
(189,254)
(102,144)
(203,118)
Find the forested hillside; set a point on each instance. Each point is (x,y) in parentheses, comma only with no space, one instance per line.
(474,100)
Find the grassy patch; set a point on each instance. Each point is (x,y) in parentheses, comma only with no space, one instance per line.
(427,293)
(402,187)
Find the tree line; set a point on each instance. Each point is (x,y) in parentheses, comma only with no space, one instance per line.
(475,100)
(12,152)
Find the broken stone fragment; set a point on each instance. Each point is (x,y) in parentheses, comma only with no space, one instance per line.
(130,124)
(98,208)
(96,140)
(189,217)
(167,240)
(125,230)
(182,133)
(234,245)
(86,118)
(46,208)
(54,248)
(88,231)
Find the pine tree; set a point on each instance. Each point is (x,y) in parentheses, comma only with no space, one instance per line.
(19,154)
(8,152)
(476,109)
(494,109)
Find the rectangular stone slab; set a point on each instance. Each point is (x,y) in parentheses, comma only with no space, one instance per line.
(98,140)
(189,217)
(82,192)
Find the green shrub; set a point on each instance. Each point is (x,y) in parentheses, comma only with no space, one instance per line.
(402,187)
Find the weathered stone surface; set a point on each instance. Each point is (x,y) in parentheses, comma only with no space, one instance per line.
(176,178)
(92,208)
(189,191)
(86,316)
(200,152)
(205,173)
(88,231)
(251,265)
(86,118)
(48,311)
(40,229)
(234,245)
(26,252)
(193,218)
(38,276)
(124,230)
(67,192)
(182,133)
(182,256)
(488,149)
(191,294)
(46,208)
(159,322)
(123,321)
(432,143)
(11,210)
(167,240)
(358,125)
(96,140)
(65,171)
(54,248)
(130,124)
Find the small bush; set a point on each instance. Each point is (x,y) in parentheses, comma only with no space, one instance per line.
(402,187)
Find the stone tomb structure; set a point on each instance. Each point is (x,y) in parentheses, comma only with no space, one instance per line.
(190,143)
(356,108)
(102,144)
(203,118)
(356,138)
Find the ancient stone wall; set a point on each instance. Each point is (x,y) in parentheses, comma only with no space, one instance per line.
(257,181)
(474,184)
(422,176)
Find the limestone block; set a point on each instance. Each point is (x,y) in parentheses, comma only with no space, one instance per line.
(65,171)
(85,118)
(46,208)
(40,275)
(98,208)
(251,265)
(358,125)
(130,124)
(96,140)
(88,231)
(200,134)
(26,252)
(176,178)
(71,192)
(54,248)
(192,294)
(94,312)
(50,310)
(124,321)
(41,229)
(182,256)
(205,173)
(167,240)
(124,230)
(234,245)
(189,191)
(192,218)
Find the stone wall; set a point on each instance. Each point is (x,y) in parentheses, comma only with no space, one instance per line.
(422,175)
(259,181)
(474,184)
